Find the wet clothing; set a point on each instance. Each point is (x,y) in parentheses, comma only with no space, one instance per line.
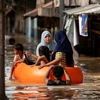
(51,82)
(63,49)
(51,45)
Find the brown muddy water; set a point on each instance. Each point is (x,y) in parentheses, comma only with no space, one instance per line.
(88,90)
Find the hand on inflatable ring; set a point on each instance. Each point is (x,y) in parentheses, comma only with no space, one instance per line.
(41,66)
(17,62)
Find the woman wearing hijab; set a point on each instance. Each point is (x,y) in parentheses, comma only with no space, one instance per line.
(63,53)
(46,40)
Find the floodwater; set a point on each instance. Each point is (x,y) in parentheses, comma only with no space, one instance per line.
(88,90)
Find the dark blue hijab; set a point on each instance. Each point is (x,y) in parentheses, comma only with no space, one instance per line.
(63,44)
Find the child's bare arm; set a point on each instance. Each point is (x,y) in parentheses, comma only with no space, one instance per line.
(68,79)
(37,61)
(54,62)
(12,69)
(13,66)
(21,60)
(46,78)
(34,56)
(41,58)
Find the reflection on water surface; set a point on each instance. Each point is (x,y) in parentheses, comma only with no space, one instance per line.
(88,90)
(53,93)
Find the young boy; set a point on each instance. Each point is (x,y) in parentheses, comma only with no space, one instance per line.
(19,56)
(58,72)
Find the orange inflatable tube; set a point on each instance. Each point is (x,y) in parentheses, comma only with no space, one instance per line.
(32,75)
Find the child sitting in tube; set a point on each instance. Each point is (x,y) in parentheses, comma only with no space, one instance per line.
(43,57)
(19,56)
(58,72)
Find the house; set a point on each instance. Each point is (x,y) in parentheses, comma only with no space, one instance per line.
(43,17)
(14,9)
(47,16)
(88,45)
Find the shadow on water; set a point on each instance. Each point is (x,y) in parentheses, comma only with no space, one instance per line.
(88,90)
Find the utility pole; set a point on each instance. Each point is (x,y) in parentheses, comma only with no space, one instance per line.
(2,51)
(61,8)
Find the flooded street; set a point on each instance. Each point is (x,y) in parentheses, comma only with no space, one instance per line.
(88,90)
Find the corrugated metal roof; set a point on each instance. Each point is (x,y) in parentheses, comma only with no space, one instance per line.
(93,8)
